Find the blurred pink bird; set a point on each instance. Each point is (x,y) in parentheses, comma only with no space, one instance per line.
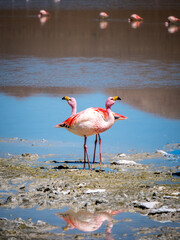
(43,13)
(172,19)
(103,15)
(73,104)
(135,17)
(89,122)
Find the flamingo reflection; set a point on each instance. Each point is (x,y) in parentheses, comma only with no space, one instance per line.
(173,28)
(86,221)
(103,24)
(136,24)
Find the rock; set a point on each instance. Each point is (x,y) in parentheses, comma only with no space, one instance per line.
(125,162)
(162,152)
(64,166)
(164,209)
(121,155)
(29,156)
(145,205)
(177,174)
(95,191)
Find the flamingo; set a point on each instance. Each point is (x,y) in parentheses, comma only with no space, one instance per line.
(43,13)
(72,102)
(89,122)
(103,15)
(172,21)
(135,17)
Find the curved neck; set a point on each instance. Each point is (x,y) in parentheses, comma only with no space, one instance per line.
(73,105)
(74,109)
(110,120)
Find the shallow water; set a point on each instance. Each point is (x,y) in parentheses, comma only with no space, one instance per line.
(126,225)
(74,53)
(34,118)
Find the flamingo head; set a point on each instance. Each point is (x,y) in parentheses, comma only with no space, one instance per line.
(111,100)
(71,101)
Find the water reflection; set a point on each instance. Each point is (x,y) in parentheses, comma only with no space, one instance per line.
(78,33)
(173,28)
(135,24)
(87,221)
(43,20)
(162,101)
(103,24)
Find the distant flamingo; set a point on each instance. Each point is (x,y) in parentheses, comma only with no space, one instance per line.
(43,13)
(72,102)
(103,15)
(172,19)
(89,122)
(135,17)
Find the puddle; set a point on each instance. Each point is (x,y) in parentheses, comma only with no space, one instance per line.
(71,224)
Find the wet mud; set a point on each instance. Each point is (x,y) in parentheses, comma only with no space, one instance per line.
(122,184)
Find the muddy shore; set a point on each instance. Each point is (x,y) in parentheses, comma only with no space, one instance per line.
(124,183)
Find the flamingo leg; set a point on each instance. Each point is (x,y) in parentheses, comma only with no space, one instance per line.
(86,153)
(95,142)
(100,148)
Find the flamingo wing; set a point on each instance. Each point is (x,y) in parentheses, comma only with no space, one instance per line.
(103,112)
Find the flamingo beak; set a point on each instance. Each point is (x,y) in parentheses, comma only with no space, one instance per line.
(66,98)
(116,98)
(57,126)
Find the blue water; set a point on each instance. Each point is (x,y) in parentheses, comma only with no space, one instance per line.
(33,118)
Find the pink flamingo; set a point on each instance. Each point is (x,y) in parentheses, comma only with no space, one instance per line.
(103,15)
(73,104)
(172,20)
(43,13)
(89,122)
(135,17)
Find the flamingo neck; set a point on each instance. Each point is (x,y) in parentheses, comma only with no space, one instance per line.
(110,115)
(73,106)
(74,109)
